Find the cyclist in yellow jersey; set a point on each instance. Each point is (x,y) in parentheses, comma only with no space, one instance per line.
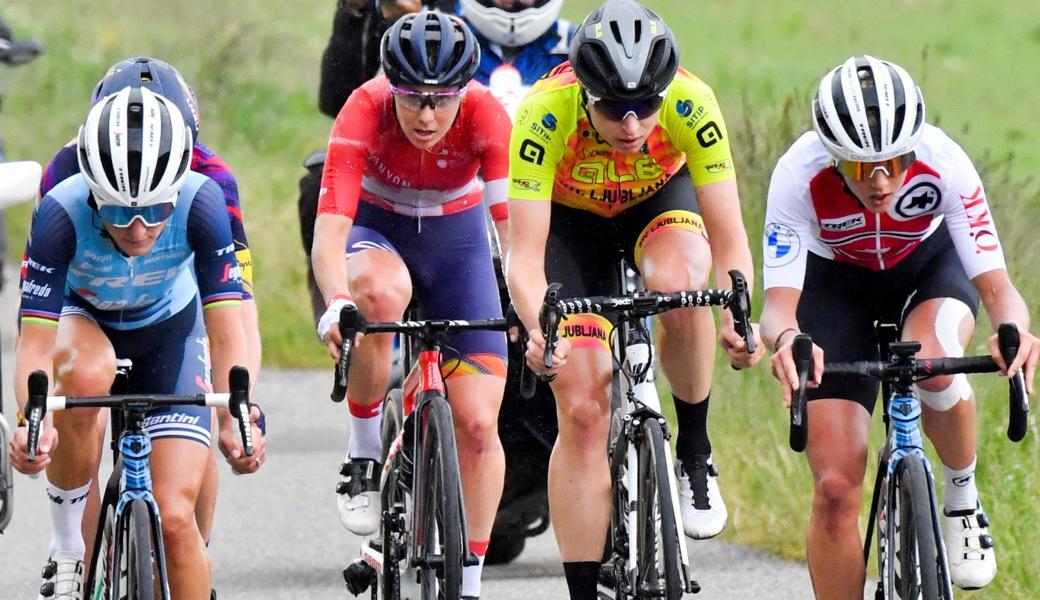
(621,153)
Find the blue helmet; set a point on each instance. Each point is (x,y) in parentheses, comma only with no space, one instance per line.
(430,48)
(158,77)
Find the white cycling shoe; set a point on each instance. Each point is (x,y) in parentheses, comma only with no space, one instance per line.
(357,497)
(969,548)
(62,579)
(703,511)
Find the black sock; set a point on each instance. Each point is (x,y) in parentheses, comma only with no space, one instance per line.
(581,579)
(693,428)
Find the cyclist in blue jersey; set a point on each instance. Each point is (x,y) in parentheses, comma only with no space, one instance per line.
(165,80)
(134,258)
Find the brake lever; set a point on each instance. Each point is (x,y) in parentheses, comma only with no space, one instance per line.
(1018,400)
(801,350)
(549,321)
(36,409)
(350,323)
(238,388)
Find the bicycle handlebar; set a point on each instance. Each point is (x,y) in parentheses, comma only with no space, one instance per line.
(236,400)
(903,365)
(352,322)
(638,305)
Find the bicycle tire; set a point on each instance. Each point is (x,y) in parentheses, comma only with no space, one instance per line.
(615,550)
(657,536)
(140,549)
(394,502)
(98,578)
(441,543)
(916,569)
(392,421)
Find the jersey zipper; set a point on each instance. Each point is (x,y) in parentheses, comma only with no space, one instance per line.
(877,240)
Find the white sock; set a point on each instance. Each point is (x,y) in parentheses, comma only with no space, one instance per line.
(67,520)
(471,578)
(365,425)
(959,491)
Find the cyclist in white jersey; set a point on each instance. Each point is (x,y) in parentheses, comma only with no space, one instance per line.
(878,215)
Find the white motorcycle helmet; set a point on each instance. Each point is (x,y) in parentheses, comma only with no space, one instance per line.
(521,24)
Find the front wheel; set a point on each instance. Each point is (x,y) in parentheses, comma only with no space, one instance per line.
(659,568)
(914,568)
(440,538)
(141,552)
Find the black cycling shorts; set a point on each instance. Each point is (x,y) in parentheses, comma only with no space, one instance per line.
(841,302)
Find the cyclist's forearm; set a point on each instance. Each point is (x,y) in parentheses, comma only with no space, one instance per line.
(779,316)
(328,254)
(1003,302)
(228,346)
(502,229)
(720,209)
(254,350)
(527,286)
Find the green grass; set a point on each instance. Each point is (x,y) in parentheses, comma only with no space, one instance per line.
(255,64)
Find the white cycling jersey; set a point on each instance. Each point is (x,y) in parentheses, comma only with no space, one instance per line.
(810,209)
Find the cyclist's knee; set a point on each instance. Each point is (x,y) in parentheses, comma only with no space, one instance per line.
(584,422)
(678,272)
(179,526)
(383,302)
(82,373)
(477,433)
(836,498)
(943,393)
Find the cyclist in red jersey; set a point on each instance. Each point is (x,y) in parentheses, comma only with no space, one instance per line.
(400,193)
(879,216)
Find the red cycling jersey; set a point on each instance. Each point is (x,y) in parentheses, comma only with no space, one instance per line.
(369,158)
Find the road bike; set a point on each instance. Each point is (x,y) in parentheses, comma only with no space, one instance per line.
(912,561)
(645,550)
(128,561)
(422,545)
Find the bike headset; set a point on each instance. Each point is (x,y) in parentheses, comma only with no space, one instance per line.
(157,76)
(625,57)
(868,110)
(429,48)
(134,151)
(511,27)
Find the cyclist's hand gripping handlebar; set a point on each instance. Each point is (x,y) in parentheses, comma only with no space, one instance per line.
(548,321)
(36,407)
(350,324)
(1007,336)
(802,351)
(740,308)
(238,405)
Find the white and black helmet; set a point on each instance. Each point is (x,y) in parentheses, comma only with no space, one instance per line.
(868,110)
(134,149)
(513,27)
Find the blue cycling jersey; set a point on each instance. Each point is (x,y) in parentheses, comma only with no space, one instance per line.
(70,252)
(532,60)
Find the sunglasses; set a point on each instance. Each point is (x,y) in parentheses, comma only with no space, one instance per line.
(618,110)
(414,100)
(124,216)
(863,171)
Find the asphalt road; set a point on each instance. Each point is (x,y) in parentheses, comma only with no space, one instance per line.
(277,535)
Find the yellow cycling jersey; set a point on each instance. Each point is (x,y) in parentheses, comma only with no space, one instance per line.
(555,153)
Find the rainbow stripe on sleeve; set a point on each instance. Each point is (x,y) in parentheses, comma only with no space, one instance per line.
(222,300)
(39,317)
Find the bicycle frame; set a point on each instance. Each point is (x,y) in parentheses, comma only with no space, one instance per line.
(639,400)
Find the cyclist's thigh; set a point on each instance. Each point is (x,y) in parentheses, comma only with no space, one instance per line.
(837,308)
(664,236)
(178,470)
(837,448)
(583,253)
(170,357)
(376,267)
(84,360)
(942,309)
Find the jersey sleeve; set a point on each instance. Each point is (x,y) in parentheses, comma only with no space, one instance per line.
(211,165)
(969,219)
(491,132)
(355,131)
(788,231)
(45,267)
(699,129)
(217,271)
(534,152)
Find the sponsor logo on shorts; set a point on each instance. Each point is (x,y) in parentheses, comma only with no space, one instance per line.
(171,419)
(843,223)
(584,330)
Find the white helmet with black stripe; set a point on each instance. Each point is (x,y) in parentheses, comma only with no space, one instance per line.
(518,25)
(134,149)
(868,110)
